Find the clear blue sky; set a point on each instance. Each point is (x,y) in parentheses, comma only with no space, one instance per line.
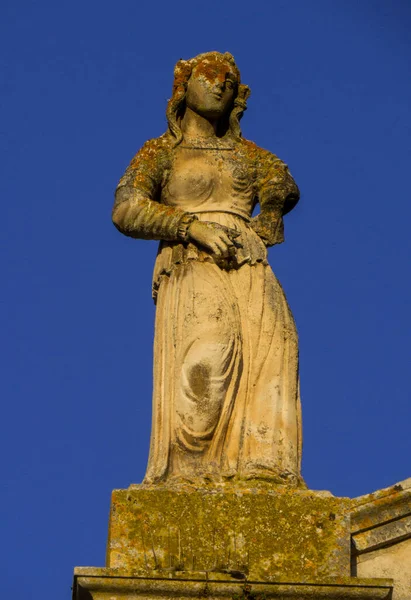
(83,85)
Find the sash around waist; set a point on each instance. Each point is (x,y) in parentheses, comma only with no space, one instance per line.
(243,216)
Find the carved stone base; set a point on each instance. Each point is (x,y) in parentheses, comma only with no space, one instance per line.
(110,584)
(254,533)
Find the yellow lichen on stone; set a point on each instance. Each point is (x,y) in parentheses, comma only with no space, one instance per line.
(256,534)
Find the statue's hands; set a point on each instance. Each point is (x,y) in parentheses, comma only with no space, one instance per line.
(218,239)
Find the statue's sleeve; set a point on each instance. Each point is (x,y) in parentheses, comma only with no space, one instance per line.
(277,194)
(137,210)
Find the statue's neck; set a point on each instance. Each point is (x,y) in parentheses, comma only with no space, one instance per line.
(195,126)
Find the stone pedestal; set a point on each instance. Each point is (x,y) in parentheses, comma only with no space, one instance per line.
(258,534)
(251,544)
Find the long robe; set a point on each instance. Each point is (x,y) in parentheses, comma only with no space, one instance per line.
(226,402)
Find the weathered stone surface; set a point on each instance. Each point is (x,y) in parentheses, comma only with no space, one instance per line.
(392,561)
(388,533)
(381,534)
(109,584)
(381,506)
(254,533)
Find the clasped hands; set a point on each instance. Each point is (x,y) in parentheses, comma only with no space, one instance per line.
(218,239)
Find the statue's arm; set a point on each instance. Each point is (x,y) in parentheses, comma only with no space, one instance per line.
(277,195)
(137,211)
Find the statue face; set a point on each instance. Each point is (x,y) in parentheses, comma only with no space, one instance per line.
(211,88)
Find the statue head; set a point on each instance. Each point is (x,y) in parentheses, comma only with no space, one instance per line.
(209,84)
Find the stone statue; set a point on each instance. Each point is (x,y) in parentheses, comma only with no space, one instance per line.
(226,403)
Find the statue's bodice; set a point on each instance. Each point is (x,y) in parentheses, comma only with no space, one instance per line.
(209,180)
(220,183)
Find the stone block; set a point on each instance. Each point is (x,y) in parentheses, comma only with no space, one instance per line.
(258,534)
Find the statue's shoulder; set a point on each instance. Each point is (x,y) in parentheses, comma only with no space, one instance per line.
(155,146)
(256,153)
(272,171)
(155,152)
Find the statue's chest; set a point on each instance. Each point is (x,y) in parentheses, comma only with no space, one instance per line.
(204,174)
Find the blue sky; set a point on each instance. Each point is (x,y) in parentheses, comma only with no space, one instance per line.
(83,85)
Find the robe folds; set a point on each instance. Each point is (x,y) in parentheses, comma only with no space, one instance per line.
(226,402)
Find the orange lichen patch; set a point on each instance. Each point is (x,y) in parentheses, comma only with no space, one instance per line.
(182,74)
(251,149)
(215,69)
(210,65)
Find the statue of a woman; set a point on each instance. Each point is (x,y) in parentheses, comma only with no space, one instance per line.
(226,404)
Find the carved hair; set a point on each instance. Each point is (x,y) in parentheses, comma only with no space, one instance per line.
(176,104)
